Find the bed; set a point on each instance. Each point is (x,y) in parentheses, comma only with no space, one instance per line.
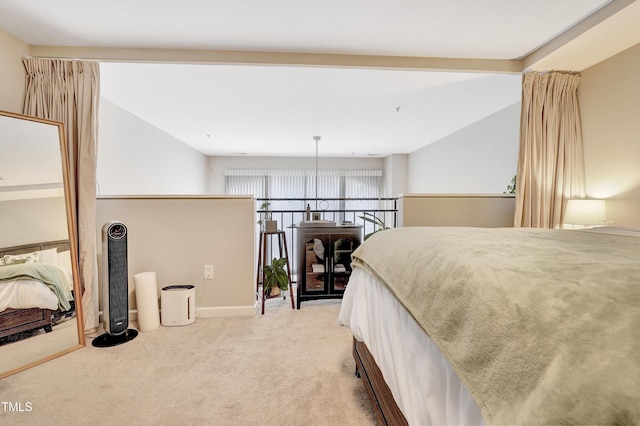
(36,288)
(498,326)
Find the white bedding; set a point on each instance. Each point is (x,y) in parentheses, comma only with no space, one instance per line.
(23,294)
(423,383)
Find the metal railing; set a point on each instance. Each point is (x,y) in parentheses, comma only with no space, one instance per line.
(291,211)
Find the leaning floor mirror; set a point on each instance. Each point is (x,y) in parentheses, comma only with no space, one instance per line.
(40,297)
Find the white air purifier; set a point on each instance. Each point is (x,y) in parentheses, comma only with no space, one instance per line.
(178,305)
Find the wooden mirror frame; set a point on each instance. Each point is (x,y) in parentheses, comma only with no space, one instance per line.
(73,246)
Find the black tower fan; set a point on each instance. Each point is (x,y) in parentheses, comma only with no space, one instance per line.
(115,286)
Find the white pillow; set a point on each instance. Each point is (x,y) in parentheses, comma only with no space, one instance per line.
(64,259)
(10,259)
(48,257)
(64,263)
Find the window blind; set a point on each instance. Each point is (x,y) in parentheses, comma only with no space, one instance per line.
(271,183)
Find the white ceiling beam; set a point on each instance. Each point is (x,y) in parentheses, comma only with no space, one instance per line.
(278,58)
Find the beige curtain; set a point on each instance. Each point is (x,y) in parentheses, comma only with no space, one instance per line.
(68,91)
(550,160)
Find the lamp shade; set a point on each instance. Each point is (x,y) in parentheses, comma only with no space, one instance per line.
(585,212)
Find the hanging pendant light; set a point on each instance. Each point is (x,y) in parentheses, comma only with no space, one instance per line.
(316,218)
(317,139)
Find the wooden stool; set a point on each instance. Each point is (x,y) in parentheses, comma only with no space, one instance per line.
(262,261)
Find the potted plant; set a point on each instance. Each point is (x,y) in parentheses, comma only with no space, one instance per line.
(268,223)
(511,189)
(378,223)
(275,277)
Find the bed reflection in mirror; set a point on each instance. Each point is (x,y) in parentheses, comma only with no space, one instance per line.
(38,285)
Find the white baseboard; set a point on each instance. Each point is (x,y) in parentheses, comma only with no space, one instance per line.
(226,311)
(214,312)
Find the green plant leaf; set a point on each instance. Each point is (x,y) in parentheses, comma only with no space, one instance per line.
(511,189)
(372,218)
(275,274)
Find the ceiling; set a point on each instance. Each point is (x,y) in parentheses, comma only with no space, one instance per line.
(274,110)
(263,77)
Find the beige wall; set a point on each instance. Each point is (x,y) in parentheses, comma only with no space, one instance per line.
(135,157)
(32,220)
(396,180)
(610,105)
(480,158)
(12,83)
(490,211)
(177,236)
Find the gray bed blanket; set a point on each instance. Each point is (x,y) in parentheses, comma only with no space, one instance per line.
(542,326)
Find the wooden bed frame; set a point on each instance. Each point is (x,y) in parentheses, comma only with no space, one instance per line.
(384,406)
(14,321)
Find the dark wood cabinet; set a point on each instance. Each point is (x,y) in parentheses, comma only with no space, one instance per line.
(324,260)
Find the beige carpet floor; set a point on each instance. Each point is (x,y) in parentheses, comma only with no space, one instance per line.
(287,367)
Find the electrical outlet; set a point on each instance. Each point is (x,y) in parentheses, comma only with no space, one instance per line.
(208,272)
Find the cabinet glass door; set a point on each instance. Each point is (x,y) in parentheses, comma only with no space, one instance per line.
(316,255)
(343,246)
